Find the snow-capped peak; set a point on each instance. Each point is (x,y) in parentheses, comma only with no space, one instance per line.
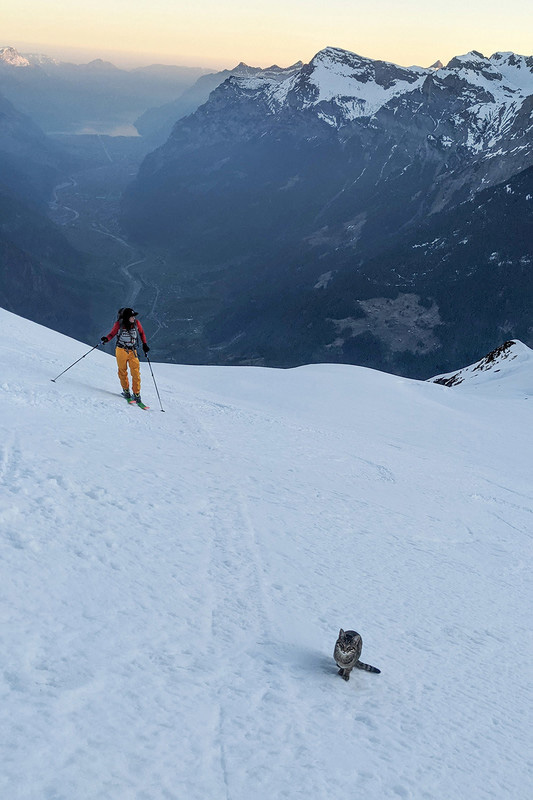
(336,71)
(492,91)
(343,86)
(501,74)
(495,368)
(515,69)
(10,56)
(40,60)
(264,79)
(473,59)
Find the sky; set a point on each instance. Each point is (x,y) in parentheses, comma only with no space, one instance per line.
(208,33)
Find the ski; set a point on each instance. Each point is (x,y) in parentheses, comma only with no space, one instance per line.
(139,403)
(133,402)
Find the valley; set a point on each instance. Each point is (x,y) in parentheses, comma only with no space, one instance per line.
(86,206)
(175,298)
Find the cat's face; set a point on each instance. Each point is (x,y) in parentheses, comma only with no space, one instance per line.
(347,640)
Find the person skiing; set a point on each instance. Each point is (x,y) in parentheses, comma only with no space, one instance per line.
(127,329)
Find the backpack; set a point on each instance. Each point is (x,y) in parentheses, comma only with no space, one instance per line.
(127,339)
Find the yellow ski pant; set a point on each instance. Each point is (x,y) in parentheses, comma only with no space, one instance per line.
(125,357)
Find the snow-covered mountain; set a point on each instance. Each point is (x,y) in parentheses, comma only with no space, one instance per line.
(359,87)
(157,123)
(11,57)
(42,60)
(341,87)
(325,179)
(488,94)
(510,357)
(173,584)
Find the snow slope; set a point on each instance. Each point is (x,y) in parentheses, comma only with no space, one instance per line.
(512,358)
(172,584)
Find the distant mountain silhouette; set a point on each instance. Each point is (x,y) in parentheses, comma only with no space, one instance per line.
(61,96)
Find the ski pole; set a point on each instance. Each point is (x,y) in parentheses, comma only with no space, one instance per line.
(155,384)
(72,365)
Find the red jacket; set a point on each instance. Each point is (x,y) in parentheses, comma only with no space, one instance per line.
(116,327)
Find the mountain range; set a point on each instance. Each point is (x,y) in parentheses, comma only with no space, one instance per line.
(98,96)
(157,123)
(301,204)
(343,210)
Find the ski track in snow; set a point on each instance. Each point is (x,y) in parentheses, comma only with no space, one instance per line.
(172,585)
(255,701)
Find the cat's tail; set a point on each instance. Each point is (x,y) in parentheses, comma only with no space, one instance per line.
(367,667)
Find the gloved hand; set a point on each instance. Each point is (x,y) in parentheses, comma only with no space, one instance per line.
(146,348)
(104,339)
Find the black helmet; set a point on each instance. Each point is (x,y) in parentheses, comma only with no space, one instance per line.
(126,313)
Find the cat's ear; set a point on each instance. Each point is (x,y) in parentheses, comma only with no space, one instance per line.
(341,633)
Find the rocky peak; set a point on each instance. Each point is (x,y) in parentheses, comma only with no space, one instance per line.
(473,60)
(353,67)
(342,86)
(11,57)
(497,363)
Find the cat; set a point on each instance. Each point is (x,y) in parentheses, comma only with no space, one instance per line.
(346,654)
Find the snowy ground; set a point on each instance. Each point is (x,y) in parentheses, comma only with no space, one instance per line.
(172,585)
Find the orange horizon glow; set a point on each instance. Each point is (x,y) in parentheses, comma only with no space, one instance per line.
(214,36)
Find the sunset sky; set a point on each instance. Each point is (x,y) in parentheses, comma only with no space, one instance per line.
(216,34)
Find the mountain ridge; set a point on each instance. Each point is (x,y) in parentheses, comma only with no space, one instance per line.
(269,186)
(64,96)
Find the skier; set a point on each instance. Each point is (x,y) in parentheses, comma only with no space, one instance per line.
(128,329)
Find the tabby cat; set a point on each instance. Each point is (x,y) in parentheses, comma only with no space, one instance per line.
(346,654)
